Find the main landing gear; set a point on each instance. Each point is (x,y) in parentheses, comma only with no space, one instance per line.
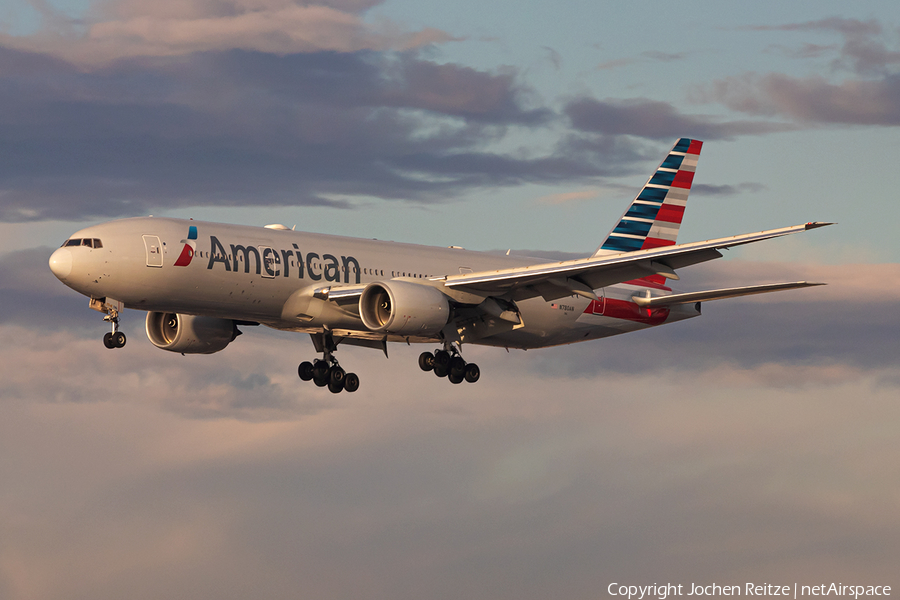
(449,363)
(326,372)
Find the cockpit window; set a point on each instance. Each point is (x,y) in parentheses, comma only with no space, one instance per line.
(89,242)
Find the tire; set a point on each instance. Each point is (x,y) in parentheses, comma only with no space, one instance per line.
(351,382)
(336,387)
(119,339)
(440,371)
(305,371)
(455,378)
(426,361)
(472,372)
(442,358)
(458,366)
(320,370)
(336,376)
(108,341)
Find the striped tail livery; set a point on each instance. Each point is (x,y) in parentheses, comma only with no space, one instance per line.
(654,216)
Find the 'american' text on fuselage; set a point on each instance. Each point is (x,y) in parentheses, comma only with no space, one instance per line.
(276,262)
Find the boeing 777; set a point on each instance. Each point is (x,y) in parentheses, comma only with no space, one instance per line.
(200,281)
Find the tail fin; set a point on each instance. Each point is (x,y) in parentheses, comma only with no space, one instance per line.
(654,217)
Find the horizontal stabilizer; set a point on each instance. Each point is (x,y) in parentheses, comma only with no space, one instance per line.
(719,294)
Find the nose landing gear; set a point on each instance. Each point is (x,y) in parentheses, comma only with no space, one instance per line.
(449,363)
(114,338)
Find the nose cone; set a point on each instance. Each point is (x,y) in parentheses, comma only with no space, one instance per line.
(61,263)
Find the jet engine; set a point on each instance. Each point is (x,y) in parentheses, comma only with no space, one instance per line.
(189,334)
(403,308)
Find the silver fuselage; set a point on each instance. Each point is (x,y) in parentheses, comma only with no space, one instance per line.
(248,273)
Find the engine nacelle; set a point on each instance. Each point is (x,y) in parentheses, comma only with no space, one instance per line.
(403,308)
(189,334)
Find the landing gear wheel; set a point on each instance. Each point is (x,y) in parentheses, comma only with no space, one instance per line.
(458,366)
(442,359)
(455,377)
(336,376)
(305,371)
(320,371)
(440,371)
(351,382)
(119,339)
(325,371)
(426,361)
(108,340)
(472,372)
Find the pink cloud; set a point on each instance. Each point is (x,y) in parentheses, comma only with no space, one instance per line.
(135,29)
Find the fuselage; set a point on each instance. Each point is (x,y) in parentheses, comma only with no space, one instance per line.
(269,275)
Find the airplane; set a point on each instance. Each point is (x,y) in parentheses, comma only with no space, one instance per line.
(199,282)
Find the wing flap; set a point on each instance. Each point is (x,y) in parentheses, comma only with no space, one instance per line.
(721,294)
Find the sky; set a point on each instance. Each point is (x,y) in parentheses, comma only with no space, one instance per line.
(758,443)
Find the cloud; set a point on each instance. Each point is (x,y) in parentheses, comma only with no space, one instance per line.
(32,296)
(706,189)
(615,64)
(863,51)
(241,128)
(813,99)
(138,28)
(656,120)
(664,56)
(528,485)
(871,97)
(841,25)
(648,56)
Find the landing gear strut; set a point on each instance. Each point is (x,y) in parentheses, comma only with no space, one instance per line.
(326,372)
(448,362)
(114,338)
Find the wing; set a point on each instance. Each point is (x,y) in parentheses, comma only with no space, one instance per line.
(583,276)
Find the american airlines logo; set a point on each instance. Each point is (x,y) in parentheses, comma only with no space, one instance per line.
(190,246)
(276,262)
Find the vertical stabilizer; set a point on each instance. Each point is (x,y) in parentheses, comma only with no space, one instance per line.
(654,217)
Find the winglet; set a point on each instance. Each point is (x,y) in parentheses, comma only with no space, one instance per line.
(817,224)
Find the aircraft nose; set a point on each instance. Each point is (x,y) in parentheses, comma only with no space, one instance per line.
(61,263)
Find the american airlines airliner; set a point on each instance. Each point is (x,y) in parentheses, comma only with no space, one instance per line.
(199,282)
